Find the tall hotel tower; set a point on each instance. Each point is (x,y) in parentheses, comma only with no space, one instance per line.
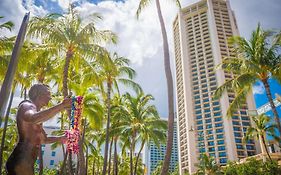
(201,31)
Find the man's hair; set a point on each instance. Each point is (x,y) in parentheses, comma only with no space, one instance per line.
(36,90)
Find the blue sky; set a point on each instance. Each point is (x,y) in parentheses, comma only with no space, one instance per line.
(140,40)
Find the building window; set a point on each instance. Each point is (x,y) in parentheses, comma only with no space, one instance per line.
(221,148)
(52,162)
(223,160)
(239,146)
(211,143)
(218,125)
(219,130)
(208,121)
(238,140)
(236,128)
(212,149)
(222,154)
(53,153)
(220,142)
(218,119)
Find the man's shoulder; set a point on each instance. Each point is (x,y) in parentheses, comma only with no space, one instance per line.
(26,104)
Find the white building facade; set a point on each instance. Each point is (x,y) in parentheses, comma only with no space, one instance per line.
(201,31)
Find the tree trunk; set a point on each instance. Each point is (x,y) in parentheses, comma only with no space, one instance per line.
(132,150)
(131,159)
(136,164)
(69,55)
(87,159)
(115,168)
(170,90)
(263,149)
(81,152)
(63,164)
(263,141)
(109,161)
(69,164)
(5,129)
(269,96)
(107,129)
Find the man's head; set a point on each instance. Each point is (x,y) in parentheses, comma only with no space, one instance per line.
(40,92)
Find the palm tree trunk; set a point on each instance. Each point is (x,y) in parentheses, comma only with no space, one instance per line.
(87,159)
(81,159)
(131,159)
(107,129)
(263,141)
(132,149)
(269,96)
(115,168)
(109,159)
(169,79)
(69,164)
(63,163)
(263,149)
(138,156)
(69,55)
(5,128)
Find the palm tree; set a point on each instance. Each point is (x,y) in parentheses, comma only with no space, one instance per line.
(169,79)
(257,60)
(92,110)
(7,25)
(3,40)
(78,39)
(207,165)
(262,127)
(139,121)
(70,34)
(114,69)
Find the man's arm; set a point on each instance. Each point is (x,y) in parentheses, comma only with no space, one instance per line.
(53,139)
(32,116)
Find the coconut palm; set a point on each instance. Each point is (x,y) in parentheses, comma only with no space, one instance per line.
(207,166)
(262,127)
(7,25)
(71,35)
(92,110)
(3,40)
(113,69)
(169,79)
(257,60)
(139,121)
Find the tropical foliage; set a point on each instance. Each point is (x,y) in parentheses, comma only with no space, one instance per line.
(257,60)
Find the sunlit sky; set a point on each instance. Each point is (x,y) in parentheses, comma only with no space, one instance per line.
(140,40)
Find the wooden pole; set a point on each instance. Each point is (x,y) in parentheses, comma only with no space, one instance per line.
(10,74)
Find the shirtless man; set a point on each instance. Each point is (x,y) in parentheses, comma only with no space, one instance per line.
(31,134)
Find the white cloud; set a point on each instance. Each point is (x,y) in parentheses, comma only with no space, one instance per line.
(258,89)
(141,40)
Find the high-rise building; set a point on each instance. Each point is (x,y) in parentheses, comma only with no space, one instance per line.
(201,31)
(154,154)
